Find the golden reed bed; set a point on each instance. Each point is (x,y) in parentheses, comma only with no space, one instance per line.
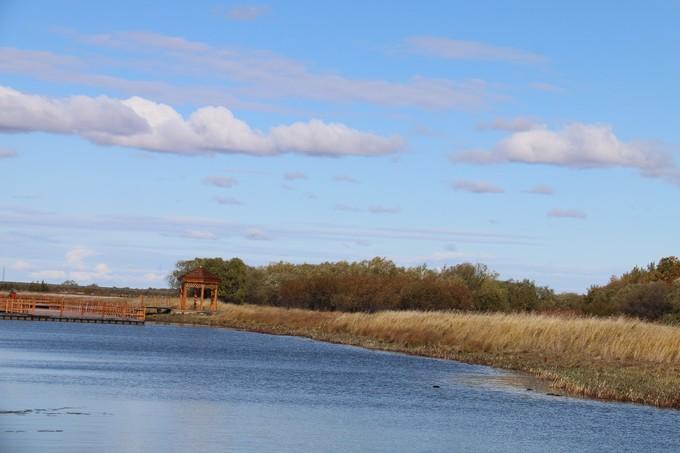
(617,359)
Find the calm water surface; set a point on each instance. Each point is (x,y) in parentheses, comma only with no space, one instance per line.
(83,388)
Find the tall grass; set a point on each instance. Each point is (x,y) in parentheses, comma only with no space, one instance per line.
(619,339)
(606,339)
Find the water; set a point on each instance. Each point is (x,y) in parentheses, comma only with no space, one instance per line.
(82,388)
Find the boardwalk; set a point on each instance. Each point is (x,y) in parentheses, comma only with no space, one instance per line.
(51,308)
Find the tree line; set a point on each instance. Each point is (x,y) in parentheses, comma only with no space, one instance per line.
(379,284)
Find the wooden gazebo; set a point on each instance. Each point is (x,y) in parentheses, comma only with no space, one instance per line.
(197,279)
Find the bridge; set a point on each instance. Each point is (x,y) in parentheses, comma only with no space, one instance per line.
(72,309)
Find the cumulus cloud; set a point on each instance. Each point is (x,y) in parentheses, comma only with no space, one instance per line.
(578,146)
(479,187)
(7,153)
(247,12)
(144,124)
(221,181)
(294,175)
(454,49)
(75,115)
(567,213)
(541,189)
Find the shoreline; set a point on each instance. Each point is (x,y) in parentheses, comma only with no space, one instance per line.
(580,375)
(518,380)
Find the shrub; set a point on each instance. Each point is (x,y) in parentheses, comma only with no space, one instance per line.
(644,300)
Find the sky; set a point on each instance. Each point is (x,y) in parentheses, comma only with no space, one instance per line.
(539,138)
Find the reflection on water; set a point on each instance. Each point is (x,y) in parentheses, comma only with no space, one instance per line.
(80,387)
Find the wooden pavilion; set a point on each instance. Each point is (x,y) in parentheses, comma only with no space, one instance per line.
(199,279)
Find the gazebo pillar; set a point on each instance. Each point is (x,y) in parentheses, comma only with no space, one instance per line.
(213,298)
(202,295)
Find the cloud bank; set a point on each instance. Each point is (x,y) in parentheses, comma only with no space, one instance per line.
(140,123)
(259,74)
(578,146)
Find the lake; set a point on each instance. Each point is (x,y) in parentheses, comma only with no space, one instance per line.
(86,387)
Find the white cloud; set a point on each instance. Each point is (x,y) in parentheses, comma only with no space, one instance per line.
(76,256)
(74,115)
(140,123)
(567,213)
(578,146)
(247,12)
(476,187)
(454,49)
(221,181)
(318,138)
(7,153)
(259,74)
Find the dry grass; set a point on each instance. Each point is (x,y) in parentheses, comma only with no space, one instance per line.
(606,339)
(619,359)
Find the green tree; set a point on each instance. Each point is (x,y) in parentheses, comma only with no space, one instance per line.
(668,269)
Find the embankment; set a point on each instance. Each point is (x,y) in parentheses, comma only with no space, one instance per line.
(610,359)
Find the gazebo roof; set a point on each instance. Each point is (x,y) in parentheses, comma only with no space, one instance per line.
(199,275)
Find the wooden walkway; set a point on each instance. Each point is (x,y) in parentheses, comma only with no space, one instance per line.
(51,308)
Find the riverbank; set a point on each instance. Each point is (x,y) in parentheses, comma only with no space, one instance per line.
(608,359)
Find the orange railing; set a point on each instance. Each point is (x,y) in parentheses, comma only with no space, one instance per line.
(77,308)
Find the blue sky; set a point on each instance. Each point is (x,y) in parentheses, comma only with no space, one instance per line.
(540,139)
